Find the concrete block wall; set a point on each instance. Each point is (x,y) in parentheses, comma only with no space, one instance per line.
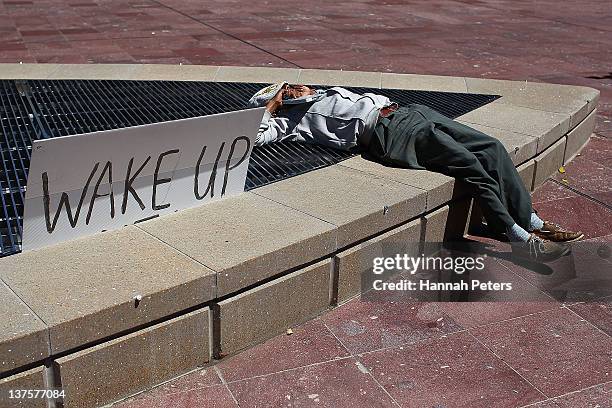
(549,162)
(352,263)
(115,313)
(527,173)
(269,309)
(447,223)
(122,366)
(33,379)
(578,137)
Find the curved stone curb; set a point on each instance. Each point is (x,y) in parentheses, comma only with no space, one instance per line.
(226,258)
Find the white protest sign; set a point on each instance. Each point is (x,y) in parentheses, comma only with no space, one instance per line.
(82,184)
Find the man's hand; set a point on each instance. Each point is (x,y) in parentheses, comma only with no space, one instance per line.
(275,103)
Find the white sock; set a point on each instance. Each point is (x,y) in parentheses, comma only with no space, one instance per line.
(536,222)
(517,234)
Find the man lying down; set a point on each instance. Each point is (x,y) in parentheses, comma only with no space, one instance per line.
(415,137)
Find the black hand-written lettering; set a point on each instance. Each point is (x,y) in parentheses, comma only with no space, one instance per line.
(211,179)
(64,201)
(157,181)
(128,185)
(229,158)
(108,168)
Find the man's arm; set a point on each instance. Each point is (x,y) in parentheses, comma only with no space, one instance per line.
(273,129)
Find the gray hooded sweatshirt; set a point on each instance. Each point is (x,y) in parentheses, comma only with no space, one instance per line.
(336,119)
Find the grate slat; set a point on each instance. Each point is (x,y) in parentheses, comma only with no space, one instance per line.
(40,109)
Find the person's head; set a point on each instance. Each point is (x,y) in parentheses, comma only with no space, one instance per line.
(296,91)
(290,92)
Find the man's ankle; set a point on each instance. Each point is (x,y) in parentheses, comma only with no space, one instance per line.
(536,222)
(517,234)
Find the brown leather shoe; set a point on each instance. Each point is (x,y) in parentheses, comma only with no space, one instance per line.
(538,250)
(556,233)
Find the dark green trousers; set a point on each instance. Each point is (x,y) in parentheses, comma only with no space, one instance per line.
(418,137)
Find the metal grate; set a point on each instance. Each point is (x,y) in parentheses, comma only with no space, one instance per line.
(38,109)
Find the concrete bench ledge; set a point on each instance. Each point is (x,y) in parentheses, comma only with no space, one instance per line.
(240,270)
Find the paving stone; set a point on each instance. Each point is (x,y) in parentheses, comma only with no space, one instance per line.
(179,391)
(578,213)
(217,396)
(33,379)
(587,176)
(202,378)
(546,126)
(257,74)
(550,191)
(339,384)
(520,147)
(162,72)
(246,238)
(579,136)
(480,313)
(310,343)
(599,150)
(547,164)
(593,397)
(598,313)
(23,336)
(272,308)
(339,78)
(527,173)
(424,82)
(356,261)
(84,289)
(543,404)
(454,371)
(27,71)
(359,204)
(440,188)
(574,100)
(120,367)
(371,323)
(555,351)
